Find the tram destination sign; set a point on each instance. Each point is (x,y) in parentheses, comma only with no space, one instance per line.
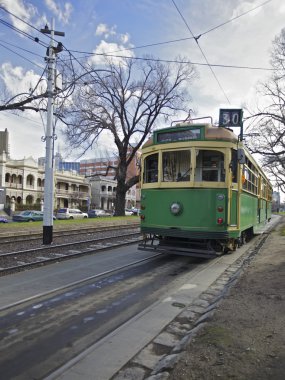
(183,135)
(231,117)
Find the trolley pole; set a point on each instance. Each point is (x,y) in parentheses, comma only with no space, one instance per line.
(49,137)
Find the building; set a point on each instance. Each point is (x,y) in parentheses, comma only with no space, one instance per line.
(102,175)
(22,183)
(98,166)
(4,142)
(103,193)
(60,164)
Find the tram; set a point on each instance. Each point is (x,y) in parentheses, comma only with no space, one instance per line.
(202,192)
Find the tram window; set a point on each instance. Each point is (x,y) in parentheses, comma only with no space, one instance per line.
(151,168)
(176,166)
(209,166)
(250,178)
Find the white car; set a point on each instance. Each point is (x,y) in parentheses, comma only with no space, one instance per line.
(128,212)
(70,213)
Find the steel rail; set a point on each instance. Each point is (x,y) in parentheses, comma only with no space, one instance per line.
(24,236)
(64,245)
(68,255)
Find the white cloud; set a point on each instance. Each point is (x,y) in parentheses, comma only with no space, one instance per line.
(17,80)
(62,14)
(25,132)
(103,29)
(247,6)
(109,48)
(20,9)
(125,38)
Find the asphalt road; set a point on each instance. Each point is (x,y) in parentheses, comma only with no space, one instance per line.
(46,331)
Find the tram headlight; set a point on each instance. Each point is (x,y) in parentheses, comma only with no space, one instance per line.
(176,208)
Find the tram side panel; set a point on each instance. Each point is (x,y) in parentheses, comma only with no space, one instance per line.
(254,212)
(248,211)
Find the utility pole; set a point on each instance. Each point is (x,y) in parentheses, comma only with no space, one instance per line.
(49,137)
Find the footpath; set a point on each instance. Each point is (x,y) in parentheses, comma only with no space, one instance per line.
(244,338)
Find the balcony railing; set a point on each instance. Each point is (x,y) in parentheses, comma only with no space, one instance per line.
(73,194)
(61,192)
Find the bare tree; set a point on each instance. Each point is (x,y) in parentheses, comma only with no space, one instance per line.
(128,103)
(268,126)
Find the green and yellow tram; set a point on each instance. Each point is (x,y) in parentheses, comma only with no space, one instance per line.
(202,193)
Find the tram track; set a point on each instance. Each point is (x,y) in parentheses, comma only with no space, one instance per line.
(23,236)
(16,261)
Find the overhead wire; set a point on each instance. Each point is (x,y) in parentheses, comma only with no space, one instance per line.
(31,26)
(22,32)
(111,54)
(196,39)
(23,117)
(159,43)
(20,55)
(138,47)
(139,58)
(20,48)
(25,22)
(177,61)
(127,57)
(235,18)
(145,58)
(182,39)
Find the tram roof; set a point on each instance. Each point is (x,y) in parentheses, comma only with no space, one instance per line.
(211,133)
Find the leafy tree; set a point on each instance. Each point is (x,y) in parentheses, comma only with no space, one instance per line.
(268,126)
(128,102)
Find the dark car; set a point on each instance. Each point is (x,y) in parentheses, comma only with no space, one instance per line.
(28,216)
(3,220)
(98,213)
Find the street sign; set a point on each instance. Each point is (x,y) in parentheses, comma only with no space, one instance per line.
(230,118)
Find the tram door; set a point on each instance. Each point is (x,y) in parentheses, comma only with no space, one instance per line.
(233,190)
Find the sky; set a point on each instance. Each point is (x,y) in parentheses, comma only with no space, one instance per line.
(233,33)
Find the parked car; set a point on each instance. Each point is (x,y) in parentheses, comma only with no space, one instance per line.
(98,213)
(70,213)
(128,212)
(3,220)
(136,211)
(28,216)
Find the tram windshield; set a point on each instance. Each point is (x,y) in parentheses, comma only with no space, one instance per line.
(176,166)
(209,166)
(151,168)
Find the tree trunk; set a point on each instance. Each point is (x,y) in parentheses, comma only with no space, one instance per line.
(120,201)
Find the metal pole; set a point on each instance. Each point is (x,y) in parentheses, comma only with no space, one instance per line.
(49,182)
